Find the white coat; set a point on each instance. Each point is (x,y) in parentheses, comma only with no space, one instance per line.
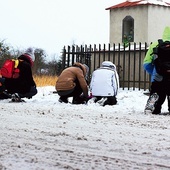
(104,82)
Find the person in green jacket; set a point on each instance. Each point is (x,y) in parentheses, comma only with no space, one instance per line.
(159,87)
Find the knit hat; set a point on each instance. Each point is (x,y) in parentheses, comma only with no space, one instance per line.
(28,55)
(30,52)
(87,70)
(108,64)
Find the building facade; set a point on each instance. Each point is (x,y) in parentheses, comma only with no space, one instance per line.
(138,21)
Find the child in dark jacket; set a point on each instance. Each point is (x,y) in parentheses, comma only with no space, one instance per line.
(24,85)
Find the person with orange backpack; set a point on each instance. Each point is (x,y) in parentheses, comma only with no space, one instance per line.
(22,85)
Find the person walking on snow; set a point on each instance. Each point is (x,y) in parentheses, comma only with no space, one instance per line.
(160,87)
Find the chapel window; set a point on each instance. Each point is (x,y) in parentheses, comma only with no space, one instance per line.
(128,29)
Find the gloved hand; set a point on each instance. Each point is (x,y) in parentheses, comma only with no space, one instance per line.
(2,80)
(2,84)
(82,99)
(86,99)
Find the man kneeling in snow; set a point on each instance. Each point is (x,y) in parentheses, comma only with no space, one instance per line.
(72,83)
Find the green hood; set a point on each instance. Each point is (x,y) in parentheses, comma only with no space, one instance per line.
(166,34)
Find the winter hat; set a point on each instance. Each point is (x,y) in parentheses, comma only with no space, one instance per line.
(108,64)
(28,55)
(166,34)
(30,52)
(87,70)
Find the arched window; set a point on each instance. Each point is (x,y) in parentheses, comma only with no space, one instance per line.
(128,29)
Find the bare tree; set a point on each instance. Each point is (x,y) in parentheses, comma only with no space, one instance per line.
(39,62)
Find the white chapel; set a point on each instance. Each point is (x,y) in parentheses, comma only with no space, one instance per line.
(138,20)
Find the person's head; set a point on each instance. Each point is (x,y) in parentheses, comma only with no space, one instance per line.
(108,64)
(166,34)
(83,67)
(28,55)
(87,68)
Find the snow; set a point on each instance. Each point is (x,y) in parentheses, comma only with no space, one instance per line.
(155,2)
(43,134)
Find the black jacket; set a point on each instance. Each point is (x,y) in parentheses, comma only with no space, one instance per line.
(23,83)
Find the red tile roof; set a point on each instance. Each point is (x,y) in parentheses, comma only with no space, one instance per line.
(130,3)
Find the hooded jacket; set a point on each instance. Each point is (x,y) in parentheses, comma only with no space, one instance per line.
(105,80)
(149,58)
(69,76)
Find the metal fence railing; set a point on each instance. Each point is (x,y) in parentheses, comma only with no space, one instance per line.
(129,61)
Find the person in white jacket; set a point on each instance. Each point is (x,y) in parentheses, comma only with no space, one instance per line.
(104,84)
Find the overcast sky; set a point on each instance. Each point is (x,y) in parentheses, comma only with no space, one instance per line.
(51,24)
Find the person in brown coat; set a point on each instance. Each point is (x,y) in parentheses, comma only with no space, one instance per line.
(72,83)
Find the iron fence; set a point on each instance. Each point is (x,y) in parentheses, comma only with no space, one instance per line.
(128,60)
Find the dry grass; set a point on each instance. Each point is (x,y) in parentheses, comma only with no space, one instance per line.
(45,80)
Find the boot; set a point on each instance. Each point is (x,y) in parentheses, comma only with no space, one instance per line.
(79,100)
(150,105)
(63,99)
(157,110)
(16,98)
(168,98)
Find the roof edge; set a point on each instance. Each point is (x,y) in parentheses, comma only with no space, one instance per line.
(131,3)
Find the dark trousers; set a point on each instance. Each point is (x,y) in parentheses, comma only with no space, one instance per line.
(111,100)
(32,92)
(162,89)
(75,93)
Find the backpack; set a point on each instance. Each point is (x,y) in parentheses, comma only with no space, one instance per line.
(10,68)
(162,55)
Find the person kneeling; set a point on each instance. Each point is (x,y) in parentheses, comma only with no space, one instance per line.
(72,82)
(104,84)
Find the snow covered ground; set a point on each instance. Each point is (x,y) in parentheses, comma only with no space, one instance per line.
(43,134)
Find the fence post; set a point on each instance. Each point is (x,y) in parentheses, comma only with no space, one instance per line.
(63,58)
